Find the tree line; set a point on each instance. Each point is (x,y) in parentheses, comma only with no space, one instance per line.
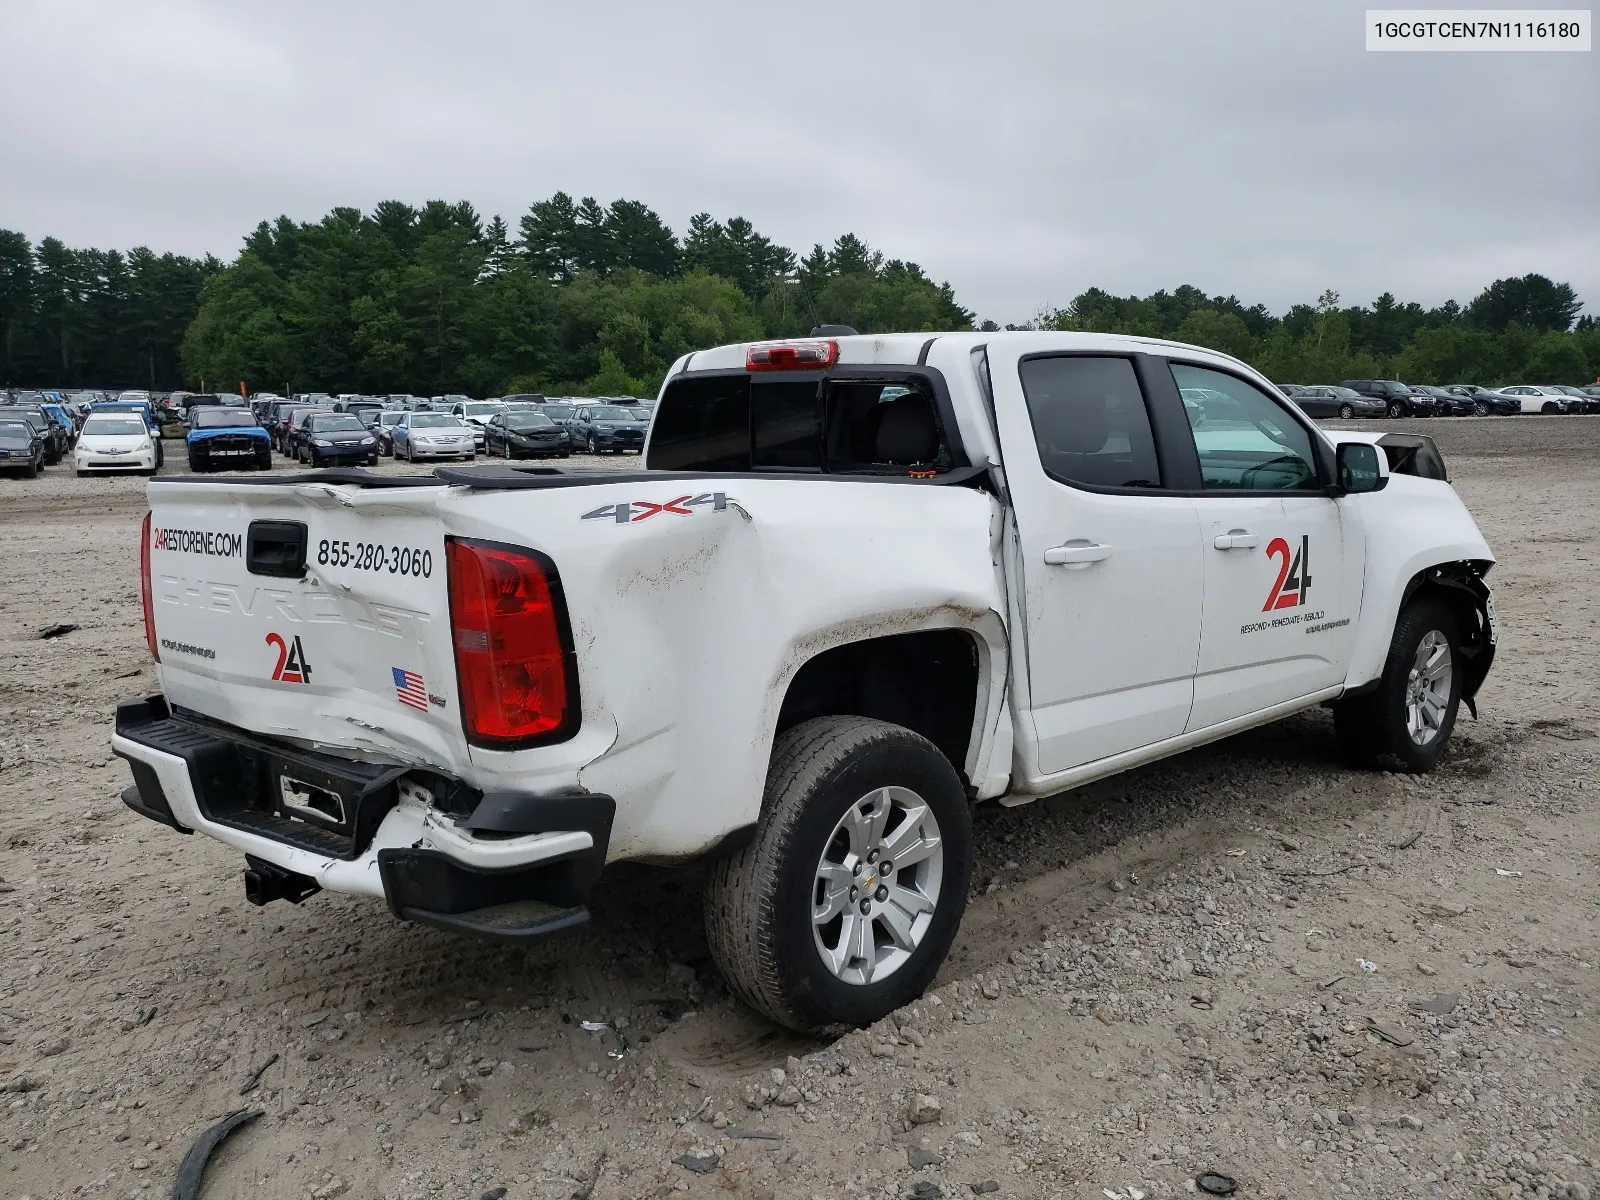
(1525,329)
(600,299)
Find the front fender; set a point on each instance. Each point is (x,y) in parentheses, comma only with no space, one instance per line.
(1412,526)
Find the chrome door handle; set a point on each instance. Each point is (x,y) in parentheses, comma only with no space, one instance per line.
(1237,539)
(1077,554)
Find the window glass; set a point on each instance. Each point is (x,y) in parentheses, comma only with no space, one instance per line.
(855,414)
(1245,439)
(785,425)
(1090,422)
(702,425)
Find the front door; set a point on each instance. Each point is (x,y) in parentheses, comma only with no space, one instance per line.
(1109,560)
(1282,570)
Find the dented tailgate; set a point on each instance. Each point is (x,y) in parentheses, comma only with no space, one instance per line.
(354,653)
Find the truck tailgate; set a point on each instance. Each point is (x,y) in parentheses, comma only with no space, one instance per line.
(353,654)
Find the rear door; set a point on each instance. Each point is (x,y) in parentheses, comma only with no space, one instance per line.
(1108,557)
(1283,561)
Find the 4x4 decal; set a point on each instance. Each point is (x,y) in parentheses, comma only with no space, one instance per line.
(643,510)
(1294,575)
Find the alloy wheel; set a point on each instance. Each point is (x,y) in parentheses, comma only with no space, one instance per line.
(1428,688)
(877,885)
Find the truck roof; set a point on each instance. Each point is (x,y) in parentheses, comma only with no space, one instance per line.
(910,349)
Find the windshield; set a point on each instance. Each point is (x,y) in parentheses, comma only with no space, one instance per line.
(528,420)
(482,408)
(221,418)
(610,413)
(556,410)
(391,418)
(114,427)
(434,421)
(336,424)
(20,429)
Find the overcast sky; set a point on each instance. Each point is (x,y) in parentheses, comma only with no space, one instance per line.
(1021,150)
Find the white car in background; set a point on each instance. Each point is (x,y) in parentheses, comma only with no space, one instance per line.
(476,413)
(432,435)
(118,441)
(1539,399)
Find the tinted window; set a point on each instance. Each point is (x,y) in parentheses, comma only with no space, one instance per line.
(332,424)
(1245,439)
(527,420)
(221,418)
(786,425)
(1090,422)
(702,425)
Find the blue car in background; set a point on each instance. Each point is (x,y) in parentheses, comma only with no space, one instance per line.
(221,438)
(59,414)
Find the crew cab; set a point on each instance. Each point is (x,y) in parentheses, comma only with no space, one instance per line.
(860,584)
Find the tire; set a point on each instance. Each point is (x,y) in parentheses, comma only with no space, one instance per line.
(1374,729)
(194,465)
(31,471)
(264,463)
(372,460)
(1346,412)
(759,901)
(565,454)
(1482,407)
(1396,410)
(1547,407)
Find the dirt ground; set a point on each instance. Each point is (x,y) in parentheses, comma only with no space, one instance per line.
(1247,959)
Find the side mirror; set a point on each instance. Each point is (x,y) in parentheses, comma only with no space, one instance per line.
(1358,468)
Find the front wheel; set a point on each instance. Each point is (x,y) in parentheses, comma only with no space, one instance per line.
(593,449)
(844,906)
(1482,408)
(195,465)
(1547,407)
(1409,716)
(1346,411)
(1396,410)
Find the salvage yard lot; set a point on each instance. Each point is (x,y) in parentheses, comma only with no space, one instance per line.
(1162,974)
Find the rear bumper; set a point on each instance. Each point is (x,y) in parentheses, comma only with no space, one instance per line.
(508,866)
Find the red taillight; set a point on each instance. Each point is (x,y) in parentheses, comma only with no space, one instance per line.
(791,356)
(145,592)
(514,660)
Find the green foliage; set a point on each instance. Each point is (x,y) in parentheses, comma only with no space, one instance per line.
(602,299)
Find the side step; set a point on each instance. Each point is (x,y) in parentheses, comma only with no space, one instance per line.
(515,921)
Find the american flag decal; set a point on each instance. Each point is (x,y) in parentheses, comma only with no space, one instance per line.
(408,689)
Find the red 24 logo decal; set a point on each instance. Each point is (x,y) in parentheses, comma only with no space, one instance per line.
(1294,575)
(291,666)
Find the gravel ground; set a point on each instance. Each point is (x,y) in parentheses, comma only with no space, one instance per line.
(1247,959)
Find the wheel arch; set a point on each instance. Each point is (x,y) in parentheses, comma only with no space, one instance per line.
(1460,585)
(945,683)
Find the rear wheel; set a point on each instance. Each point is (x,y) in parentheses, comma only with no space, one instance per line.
(845,904)
(1408,718)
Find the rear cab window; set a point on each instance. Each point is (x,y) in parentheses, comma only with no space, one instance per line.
(877,422)
(1090,421)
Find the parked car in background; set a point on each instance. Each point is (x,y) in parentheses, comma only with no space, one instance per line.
(289,428)
(117,440)
(55,442)
(382,425)
(21,447)
(523,398)
(1486,402)
(1342,402)
(1581,401)
(598,428)
(58,413)
(1446,403)
(476,413)
(221,437)
(433,435)
(1397,397)
(1536,398)
(324,439)
(529,434)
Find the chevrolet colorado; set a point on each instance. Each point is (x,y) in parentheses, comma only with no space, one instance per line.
(860,584)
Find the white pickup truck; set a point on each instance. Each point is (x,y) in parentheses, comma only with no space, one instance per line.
(860,584)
